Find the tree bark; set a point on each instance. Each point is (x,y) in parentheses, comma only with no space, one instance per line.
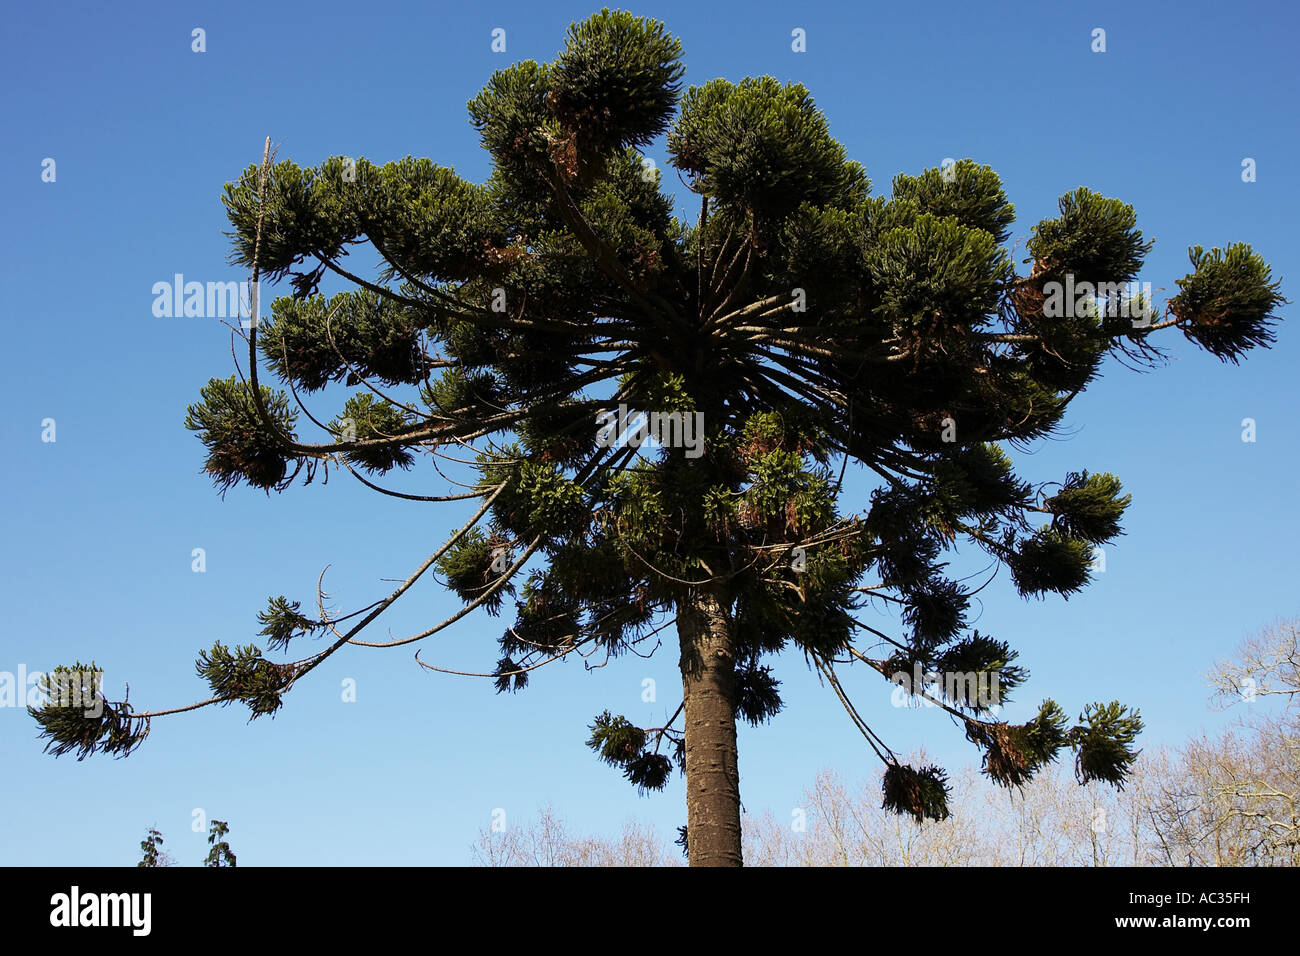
(712,768)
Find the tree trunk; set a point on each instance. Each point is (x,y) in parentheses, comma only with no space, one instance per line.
(712,772)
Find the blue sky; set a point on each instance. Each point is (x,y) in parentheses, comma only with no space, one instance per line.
(99,525)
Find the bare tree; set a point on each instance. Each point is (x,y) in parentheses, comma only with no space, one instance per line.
(1226,800)
(546,841)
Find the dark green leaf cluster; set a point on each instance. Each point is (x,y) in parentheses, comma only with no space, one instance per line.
(539,499)
(1014,753)
(245,675)
(762,149)
(758,696)
(349,336)
(509,676)
(616,82)
(622,744)
(1050,561)
(219,854)
(1089,507)
(467,568)
(1095,239)
(75,715)
(150,845)
(1226,305)
(936,270)
(978,481)
(966,191)
(365,418)
(240,447)
(281,622)
(921,793)
(1103,744)
(985,657)
(547,618)
(428,220)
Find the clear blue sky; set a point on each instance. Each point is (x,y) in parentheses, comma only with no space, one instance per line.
(99,526)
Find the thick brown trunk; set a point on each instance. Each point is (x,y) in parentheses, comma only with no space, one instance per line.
(712,772)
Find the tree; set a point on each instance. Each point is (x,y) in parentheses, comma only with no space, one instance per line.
(219,853)
(548,842)
(1234,799)
(154,854)
(795,324)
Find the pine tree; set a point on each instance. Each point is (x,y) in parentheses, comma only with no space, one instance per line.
(802,322)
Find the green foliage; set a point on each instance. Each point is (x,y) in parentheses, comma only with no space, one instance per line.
(350,336)
(979,481)
(219,854)
(1096,239)
(1050,561)
(620,743)
(1089,507)
(239,446)
(981,655)
(615,739)
(761,148)
(616,82)
(540,499)
(245,675)
(366,418)
(1104,743)
(513,121)
(293,224)
(934,610)
(938,270)
(970,193)
(281,623)
(424,217)
(430,222)
(547,618)
(1226,304)
(1014,753)
(820,250)
(467,567)
(463,391)
(562,433)
(1043,737)
(150,845)
(75,715)
(923,793)
(509,676)
(758,698)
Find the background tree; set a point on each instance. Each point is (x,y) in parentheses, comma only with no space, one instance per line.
(548,841)
(219,850)
(1225,800)
(219,853)
(1234,799)
(801,321)
(154,854)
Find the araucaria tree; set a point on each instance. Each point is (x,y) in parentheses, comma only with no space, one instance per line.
(797,321)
